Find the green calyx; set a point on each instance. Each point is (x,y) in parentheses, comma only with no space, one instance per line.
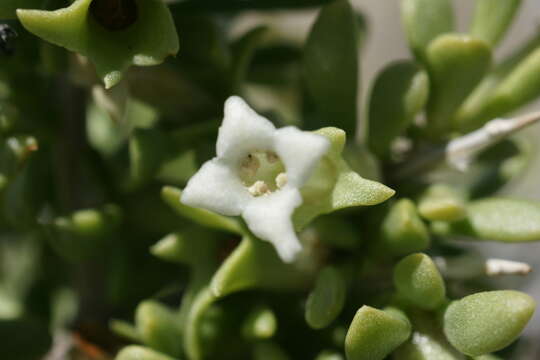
(143,34)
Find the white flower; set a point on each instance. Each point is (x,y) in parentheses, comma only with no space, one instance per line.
(258,173)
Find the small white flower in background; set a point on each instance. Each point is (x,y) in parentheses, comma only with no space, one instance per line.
(257,173)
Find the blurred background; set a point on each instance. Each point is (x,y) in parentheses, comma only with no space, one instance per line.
(385,43)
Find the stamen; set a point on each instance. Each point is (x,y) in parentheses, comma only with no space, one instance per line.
(259,188)
(250,165)
(271,157)
(281,180)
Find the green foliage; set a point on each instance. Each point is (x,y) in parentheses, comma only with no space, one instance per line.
(331,67)
(399,93)
(326,300)
(374,334)
(417,280)
(469,323)
(97,158)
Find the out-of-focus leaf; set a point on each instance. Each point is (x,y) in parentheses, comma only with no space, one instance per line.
(465,118)
(402,230)
(424,20)
(520,87)
(500,219)
(374,334)
(246,4)
(457,63)
(418,280)
(492,18)
(269,351)
(243,51)
(158,327)
(331,67)
(111,49)
(135,352)
(326,300)
(254,264)
(488,321)
(203,217)
(261,323)
(399,93)
(190,247)
(443,203)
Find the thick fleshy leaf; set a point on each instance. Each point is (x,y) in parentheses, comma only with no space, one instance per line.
(147,151)
(486,322)
(331,67)
(134,352)
(326,300)
(374,334)
(492,18)
(402,230)
(111,47)
(398,95)
(424,20)
(269,351)
(443,203)
(519,87)
(418,280)
(457,63)
(501,219)
(172,195)
(254,264)
(158,327)
(469,116)
(334,186)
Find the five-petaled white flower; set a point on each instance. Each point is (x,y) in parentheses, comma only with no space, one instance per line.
(258,173)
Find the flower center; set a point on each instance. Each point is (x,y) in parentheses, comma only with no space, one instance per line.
(262,173)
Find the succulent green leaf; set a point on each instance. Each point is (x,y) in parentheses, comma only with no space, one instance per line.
(15,152)
(501,219)
(330,67)
(457,64)
(470,115)
(424,20)
(261,323)
(518,88)
(8,8)
(442,203)
(418,280)
(402,230)
(488,321)
(400,92)
(254,264)
(148,41)
(492,19)
(158,327)
(374,334)
(326,300)
(135,352)
(172,195)
(335,186)
(335,231)
(125,330)
(243,51)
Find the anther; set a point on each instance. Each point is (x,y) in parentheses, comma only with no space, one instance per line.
(281,180)
(259,188)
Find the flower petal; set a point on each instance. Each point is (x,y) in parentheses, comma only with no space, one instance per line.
(216,187)
(242,131)
(300,151)
(269,218)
